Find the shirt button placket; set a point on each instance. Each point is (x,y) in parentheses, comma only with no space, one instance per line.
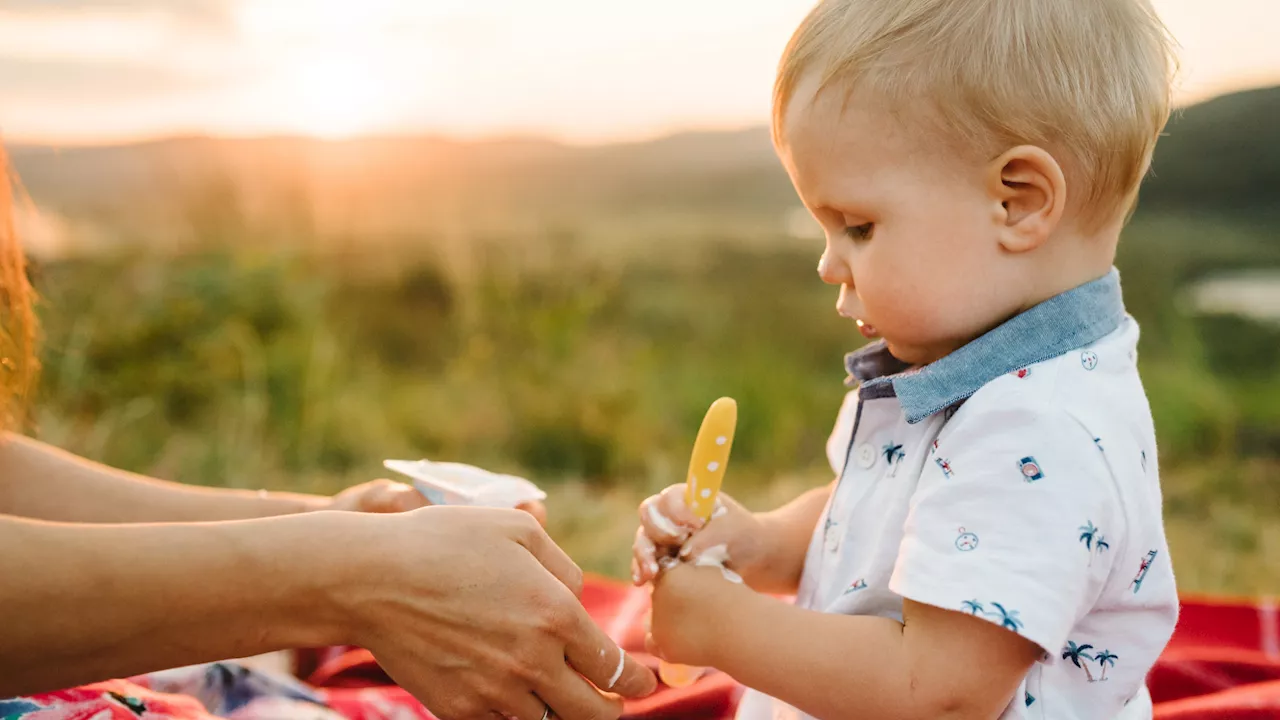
(866,456)
(832,535)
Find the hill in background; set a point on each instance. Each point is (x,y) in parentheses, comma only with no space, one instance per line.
(1220,157)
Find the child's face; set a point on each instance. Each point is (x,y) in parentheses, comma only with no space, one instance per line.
(912,229)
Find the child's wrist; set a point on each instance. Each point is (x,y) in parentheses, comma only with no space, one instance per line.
(722,623)
(778,565)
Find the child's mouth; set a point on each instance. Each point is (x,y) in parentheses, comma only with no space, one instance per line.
(868,331)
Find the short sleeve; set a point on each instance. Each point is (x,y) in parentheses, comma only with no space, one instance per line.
(1015,520)
(842,433)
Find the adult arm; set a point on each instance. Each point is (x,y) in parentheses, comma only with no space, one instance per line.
(44,483)
(471,610)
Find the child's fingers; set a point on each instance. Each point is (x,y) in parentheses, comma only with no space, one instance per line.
(673,505)
(644,561)
(651,646)
(666,522)
(380,496)
(722,534)
(659,526)
(537,510)
(403,498)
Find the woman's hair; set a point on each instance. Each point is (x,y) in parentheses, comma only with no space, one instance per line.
(18,364)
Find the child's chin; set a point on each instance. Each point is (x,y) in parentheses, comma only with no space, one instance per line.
(912,356)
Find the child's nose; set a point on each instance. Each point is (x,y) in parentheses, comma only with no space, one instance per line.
(833,272)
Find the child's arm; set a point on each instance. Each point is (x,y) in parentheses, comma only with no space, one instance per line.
(789,529)
(935,664)
(766,549)
(974,619)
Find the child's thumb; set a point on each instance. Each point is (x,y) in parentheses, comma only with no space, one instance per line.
(710,544)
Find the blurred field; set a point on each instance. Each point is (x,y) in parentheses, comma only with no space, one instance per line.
(564,313)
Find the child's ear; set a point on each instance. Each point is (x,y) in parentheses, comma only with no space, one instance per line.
(1031,190)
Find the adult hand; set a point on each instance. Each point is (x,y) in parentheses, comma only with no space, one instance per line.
(475,611)
(387,496)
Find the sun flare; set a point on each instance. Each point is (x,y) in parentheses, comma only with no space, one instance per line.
(331,74)
(334,97)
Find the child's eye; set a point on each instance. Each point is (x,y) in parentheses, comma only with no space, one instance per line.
(860,233)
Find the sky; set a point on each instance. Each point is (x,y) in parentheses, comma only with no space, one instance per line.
(90,71)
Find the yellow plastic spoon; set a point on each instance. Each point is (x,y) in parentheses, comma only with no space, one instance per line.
(706,471)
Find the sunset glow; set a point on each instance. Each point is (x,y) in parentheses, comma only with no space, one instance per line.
(82,71)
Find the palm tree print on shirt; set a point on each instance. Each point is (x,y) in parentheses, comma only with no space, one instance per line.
(1075,653)
(1105,658)
(1008,618)
(893,455)
(1094,541)
(1002,616)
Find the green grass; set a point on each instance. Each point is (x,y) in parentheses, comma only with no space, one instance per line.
(545,354)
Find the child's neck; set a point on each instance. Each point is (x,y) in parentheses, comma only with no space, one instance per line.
(1068,260)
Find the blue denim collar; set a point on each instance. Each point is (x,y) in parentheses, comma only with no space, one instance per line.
(1074,319)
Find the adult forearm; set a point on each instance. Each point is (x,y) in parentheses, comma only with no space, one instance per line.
(87,602)
(41,482)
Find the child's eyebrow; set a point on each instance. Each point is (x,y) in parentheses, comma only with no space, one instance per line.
(851,206)
(825,212)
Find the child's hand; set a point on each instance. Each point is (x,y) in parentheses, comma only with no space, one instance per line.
(387,496)
(378,496)
(688,613)
(669,532)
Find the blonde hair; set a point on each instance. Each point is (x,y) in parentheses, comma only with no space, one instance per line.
(18,365)
(1091,79)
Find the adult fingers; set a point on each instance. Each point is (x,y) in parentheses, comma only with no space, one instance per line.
(526,531)
(524,706)
(572,698)
(590,651)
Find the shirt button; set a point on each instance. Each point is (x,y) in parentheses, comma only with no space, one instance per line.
(866,456)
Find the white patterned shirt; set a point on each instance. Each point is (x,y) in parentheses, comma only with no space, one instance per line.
(1014,480)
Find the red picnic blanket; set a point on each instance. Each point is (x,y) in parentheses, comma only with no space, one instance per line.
(1223,663)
